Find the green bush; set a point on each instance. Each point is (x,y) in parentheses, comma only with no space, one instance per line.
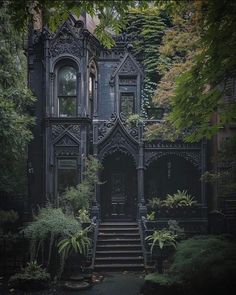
(49,225)
(201,264)
(84,216)
(80,197)
(33,276)
(206,261)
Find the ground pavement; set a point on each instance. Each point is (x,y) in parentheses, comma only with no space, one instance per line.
(126,283)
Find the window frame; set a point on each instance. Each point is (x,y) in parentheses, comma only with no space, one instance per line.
(60,66)
(120,99)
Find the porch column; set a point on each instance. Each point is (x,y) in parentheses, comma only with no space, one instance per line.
(142,210)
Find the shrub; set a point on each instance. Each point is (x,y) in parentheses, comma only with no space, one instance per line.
(201,264)
(80,197)
(50,224)
(33,276)
(206,261)
(155,203)
(84,216)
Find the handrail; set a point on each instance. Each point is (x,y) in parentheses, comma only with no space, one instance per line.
(141,226)
(95,235)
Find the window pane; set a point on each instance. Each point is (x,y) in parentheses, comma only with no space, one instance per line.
(127,103)
(67,81)
(66,174)
(67,106)
(128,80)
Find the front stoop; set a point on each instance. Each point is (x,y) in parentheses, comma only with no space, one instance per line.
(119,247)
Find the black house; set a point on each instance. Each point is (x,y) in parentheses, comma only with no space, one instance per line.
(84,95)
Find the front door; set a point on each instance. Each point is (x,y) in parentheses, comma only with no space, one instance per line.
(119,191)
(118,195)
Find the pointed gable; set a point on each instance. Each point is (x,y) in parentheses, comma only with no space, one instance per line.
(128,65)
(66,41)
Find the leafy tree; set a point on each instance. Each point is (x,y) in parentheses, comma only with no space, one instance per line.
(109,13)
(15,100)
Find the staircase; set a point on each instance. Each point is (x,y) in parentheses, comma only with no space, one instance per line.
(118,247)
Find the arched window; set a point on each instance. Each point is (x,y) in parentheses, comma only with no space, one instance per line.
(91,89)
(67,91)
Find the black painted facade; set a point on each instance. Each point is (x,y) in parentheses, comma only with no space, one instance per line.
(91,120)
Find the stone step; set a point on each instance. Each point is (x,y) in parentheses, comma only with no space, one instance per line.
(118,260)
(118,229)
(118,240)
(125,234)
(119,247)
(117,224)
(119,253)
(115,267)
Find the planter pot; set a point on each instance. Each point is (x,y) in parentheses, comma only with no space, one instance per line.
(159,255)
(179,212)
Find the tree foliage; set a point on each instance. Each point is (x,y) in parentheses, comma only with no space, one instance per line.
(109,13)
(201,61)
(15,99)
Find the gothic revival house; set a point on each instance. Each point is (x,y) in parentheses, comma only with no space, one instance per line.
(84,95)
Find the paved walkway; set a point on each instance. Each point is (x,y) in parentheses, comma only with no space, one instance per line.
(126,283)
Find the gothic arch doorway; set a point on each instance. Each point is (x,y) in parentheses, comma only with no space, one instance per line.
(119,191)
(170,173)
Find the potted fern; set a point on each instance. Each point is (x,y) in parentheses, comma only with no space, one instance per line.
(74,248)
(162,243)
(180,204)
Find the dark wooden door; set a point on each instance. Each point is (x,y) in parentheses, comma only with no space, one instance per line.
(118,195)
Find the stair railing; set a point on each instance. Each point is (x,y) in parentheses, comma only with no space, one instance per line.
(141,225)
(95,222)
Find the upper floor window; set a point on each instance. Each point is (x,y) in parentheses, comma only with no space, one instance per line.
(91,94)
(127,103)
(67,91)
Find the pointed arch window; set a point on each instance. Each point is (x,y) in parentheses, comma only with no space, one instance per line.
(67,91)
(92,88)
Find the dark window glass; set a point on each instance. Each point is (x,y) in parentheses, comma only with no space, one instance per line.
(91,94)
(67,91)
(127,80)
(127,103)
(66,174)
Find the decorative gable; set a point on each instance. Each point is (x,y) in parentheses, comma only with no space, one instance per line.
(67,41)
(128,66)
(66,140)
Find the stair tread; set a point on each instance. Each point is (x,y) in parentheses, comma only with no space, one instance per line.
(118,228)
(119,257)
(118,223)
(120,245)
(118,234)
(117,252)
(117,240)
(120,265)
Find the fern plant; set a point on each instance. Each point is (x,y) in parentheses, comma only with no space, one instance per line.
(179,199)
(155,203)
(151,216)
(162,238)
(84,216)
(78,243)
